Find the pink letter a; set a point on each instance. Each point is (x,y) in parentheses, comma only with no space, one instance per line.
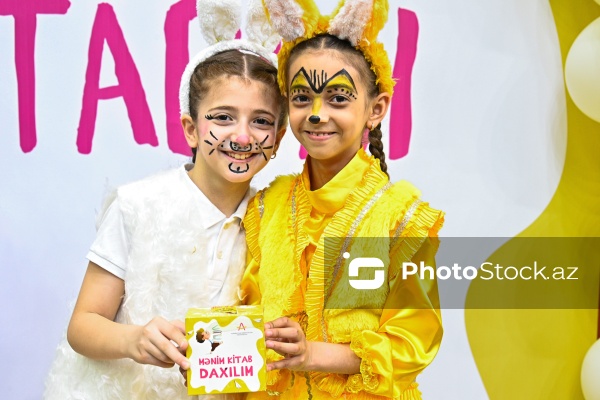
(106,27)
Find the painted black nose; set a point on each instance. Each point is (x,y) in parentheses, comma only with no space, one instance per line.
(314,119)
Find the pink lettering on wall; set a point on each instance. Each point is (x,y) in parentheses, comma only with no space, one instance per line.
(401,109)
(106,28)
(25,13)
(177,56)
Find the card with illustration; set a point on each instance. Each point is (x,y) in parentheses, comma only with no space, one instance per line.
(226,350)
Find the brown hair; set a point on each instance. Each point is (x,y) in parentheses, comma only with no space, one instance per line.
(249,67)
(357,60)
(199,335)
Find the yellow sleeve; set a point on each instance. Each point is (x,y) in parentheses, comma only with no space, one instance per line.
(409,334)
(250,286)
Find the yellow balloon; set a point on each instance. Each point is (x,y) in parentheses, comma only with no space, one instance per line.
(582,70)
(590,370)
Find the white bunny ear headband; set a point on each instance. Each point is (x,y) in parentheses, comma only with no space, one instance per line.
(357,21)
(220,20)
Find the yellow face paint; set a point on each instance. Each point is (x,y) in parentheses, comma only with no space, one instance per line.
(341,82)
(305,82)
(299,82)
(317,82)
(317,103)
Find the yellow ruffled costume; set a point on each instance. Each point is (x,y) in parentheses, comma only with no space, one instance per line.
(293,273)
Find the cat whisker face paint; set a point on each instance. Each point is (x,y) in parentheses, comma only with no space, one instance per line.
(240,153)
(263,148)
(210,143)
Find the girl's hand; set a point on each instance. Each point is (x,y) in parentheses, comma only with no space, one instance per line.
(159,343)
(183,373)
(287,338)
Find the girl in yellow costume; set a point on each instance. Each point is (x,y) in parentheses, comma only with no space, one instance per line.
(327,339)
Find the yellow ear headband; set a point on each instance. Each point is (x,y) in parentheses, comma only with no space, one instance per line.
(358,21)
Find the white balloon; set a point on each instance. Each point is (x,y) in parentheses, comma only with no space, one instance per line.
(582,70)
(590,370)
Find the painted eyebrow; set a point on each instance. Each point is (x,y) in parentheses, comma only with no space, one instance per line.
(343,86)
(321,81)
(299,86)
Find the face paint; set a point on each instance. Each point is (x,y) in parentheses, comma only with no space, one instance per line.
(209,143)
(235,147)
(341,82)
(316,107)
(237,170)
(318,82)
(326,113)
(263,148)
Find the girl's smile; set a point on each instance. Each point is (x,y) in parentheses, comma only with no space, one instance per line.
(314,135)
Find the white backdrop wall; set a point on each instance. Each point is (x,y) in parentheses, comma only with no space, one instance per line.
(487,141)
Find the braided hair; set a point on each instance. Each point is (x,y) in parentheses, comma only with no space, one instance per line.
(376,148)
